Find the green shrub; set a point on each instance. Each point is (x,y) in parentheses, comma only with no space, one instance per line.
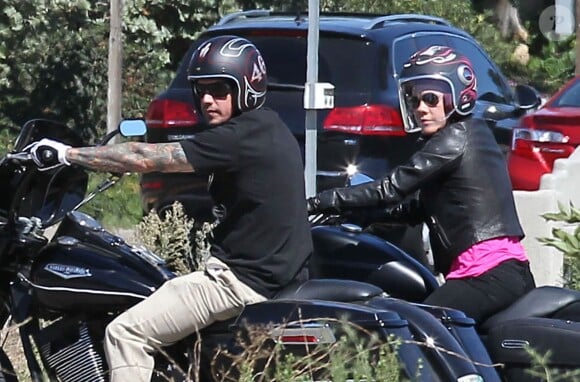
(566,241)
(6,141)
(548,70)
(542,372)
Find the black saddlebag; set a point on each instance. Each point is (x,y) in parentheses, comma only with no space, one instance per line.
(507,342)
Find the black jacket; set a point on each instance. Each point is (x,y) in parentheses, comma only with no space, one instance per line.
(464,191)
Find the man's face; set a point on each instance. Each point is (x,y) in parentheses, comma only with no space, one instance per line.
(215,98)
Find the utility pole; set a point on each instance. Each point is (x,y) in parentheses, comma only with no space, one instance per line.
(317,95)
(115,66)
(309,98)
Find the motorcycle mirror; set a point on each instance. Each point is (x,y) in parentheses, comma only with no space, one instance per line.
(132,127)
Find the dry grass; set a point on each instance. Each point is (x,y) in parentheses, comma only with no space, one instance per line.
(13,348)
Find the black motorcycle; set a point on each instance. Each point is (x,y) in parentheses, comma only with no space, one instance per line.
(63,278)
(547,319)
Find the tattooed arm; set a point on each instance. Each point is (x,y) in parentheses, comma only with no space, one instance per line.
(131,157)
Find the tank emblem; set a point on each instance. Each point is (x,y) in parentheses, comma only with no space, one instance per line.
(67,271)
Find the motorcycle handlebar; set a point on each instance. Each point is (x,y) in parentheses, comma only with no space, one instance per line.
(363,217)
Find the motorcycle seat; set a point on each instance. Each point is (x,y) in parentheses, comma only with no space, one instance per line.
(544,301)
(337,290)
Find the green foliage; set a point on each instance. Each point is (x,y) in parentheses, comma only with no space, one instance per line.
(169,237)
(551,68)
(566,241)
(541,371)
(53,60)
(6,141)
(54,57)
(120,206)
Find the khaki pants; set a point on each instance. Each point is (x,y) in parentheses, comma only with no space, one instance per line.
(179,308)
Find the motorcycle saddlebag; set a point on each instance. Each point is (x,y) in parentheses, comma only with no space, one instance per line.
(507,342)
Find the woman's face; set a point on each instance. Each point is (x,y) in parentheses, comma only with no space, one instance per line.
(428,108)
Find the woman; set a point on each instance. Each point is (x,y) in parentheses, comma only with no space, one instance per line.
(464,192)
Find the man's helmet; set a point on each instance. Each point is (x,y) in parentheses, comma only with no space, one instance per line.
(439,63)
(236,59)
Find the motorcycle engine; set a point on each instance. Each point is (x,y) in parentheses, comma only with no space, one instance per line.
(69,348)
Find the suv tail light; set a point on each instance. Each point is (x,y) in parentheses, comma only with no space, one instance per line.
(170,113)
(365,120)
(152,185)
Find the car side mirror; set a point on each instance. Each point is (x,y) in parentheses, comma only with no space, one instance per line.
(527,97)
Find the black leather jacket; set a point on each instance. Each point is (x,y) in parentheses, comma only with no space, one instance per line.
(464,191)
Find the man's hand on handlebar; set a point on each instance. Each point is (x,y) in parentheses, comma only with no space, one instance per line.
(312,205)
(48,154)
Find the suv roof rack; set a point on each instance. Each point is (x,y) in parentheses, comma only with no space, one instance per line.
(244,15)
(380,22)
(377,21)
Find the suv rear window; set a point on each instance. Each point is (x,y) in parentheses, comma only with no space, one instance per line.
(346,63)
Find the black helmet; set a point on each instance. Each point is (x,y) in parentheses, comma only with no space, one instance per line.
(439,63)
(236,59)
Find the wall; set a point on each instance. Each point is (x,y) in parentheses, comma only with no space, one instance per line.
(562,185)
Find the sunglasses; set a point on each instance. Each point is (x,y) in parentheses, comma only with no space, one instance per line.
(430,99)
(215,89)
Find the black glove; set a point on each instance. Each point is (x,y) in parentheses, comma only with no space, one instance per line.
(394,213)
(410,213)
(48,154)
(312,205)
(323,202)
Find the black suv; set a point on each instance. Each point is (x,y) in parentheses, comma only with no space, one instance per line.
(360,54)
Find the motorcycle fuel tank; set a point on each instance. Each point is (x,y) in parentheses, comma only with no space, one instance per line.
(70,274)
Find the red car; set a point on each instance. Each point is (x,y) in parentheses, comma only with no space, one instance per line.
(551,132)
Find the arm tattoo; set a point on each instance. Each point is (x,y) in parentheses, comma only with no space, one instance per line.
(132,157)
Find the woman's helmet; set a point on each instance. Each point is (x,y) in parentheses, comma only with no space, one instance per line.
(236,59)
(441,64)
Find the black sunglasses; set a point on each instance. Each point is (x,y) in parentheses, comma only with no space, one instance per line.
(219,89)
(430,99)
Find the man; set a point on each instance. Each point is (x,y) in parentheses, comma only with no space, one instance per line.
(256,181)
(464,191)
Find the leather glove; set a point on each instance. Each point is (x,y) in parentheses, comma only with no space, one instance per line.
(410,213)
(394,213)
(323,202)
(48,154)
(312,205)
